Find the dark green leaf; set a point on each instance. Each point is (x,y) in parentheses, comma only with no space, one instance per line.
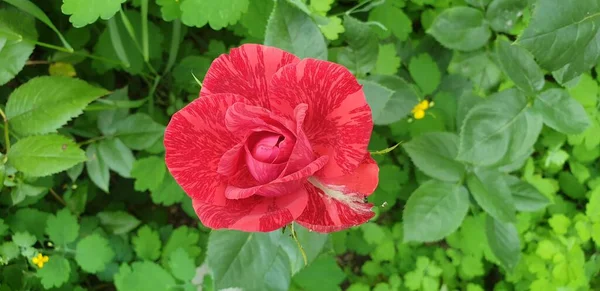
(518,64)
(425,72)
(144,275)
(55,272)
(62,228)
(360,55)
(93,253)
(390,98)
(17,41)
(182,266)
(525,195)
(96,167)
(504,242)
(292,30)
(504,14)
(44,155)
(139,131)
(118,222)
(148,173)
(491,192)
(461,28)
(117,156)
(434,154)
(435,210)
(561,112)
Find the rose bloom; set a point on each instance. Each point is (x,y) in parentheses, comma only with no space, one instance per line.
(274,139)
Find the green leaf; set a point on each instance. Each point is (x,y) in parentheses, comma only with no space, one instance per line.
(139,131)
(148,173)
(84,12)
(435,210)
(96,167)
(93,253)
(118,222)
(55,272)
(256,261)
(388,62)
(434,153)
(559,32)
(108,119)
(333,28)
(487,130)
(144,276)
(169,9)
(581,64)
(44,104)
(518,64)
(393,19)
(17,41)
(504,242)
(23,190)
(168,193)
(117,156)
(561,112)
(29,220)
(182,266)
(292,30)
(526,196)
(182,237)
(44,155)
(188,67)
(323,274)
(255,20)
(360,56)
(390,98)
(218,14)
(461,28)
(23,239)
(31,8)
(504,14)
(147,243)
(425,72)
(62,228)
(492,193)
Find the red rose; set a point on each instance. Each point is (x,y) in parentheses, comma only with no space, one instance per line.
(274,139)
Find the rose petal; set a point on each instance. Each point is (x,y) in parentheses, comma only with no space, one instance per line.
(246,71)
(338,122)
(333,207)
(195,140)
(261,171)
(253,214)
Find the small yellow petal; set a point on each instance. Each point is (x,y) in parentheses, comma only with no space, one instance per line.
(45,259)
(424,104)
(40,265)
(419,114)
(35,260)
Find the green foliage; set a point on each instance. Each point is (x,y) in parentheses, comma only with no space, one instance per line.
(495,187)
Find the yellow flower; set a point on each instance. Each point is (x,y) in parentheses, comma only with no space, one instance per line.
(419,110)
(40,260)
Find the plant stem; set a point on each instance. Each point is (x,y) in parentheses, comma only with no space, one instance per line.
(151,95)
(299,245)
(6,134)
(91,140)
(62,49)
(57,197)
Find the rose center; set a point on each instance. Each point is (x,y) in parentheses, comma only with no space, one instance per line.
(265,146)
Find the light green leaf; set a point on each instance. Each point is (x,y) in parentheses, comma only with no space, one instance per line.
(561,112)
(147,243)
(139,131)
(393,19)
(117,156)
(107,119)
(592,209)
(435,210)
(255,20)
(360,55)
(96,167)
(504,242)
(182,266)
(479,67)
(169,9)
(55,272)
(388,62)
(144,275)
(461,28)
(492,193)
(17,41)
(425,72)
(29,220)
(292,30)
(148,173)
(322,274)
(333,28)
(84,12)
(93,253)
(118,222)
(478,3)
(525,195)
(168,193)
(504,14)
(518,64)
(390,98)
(434,153)
(218,14)
(559,31)
(23,190)
(187,68)
(487,130)
(23,239)
(44,155)
(62,228)
(44,104)
(182,237)
(581,64)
